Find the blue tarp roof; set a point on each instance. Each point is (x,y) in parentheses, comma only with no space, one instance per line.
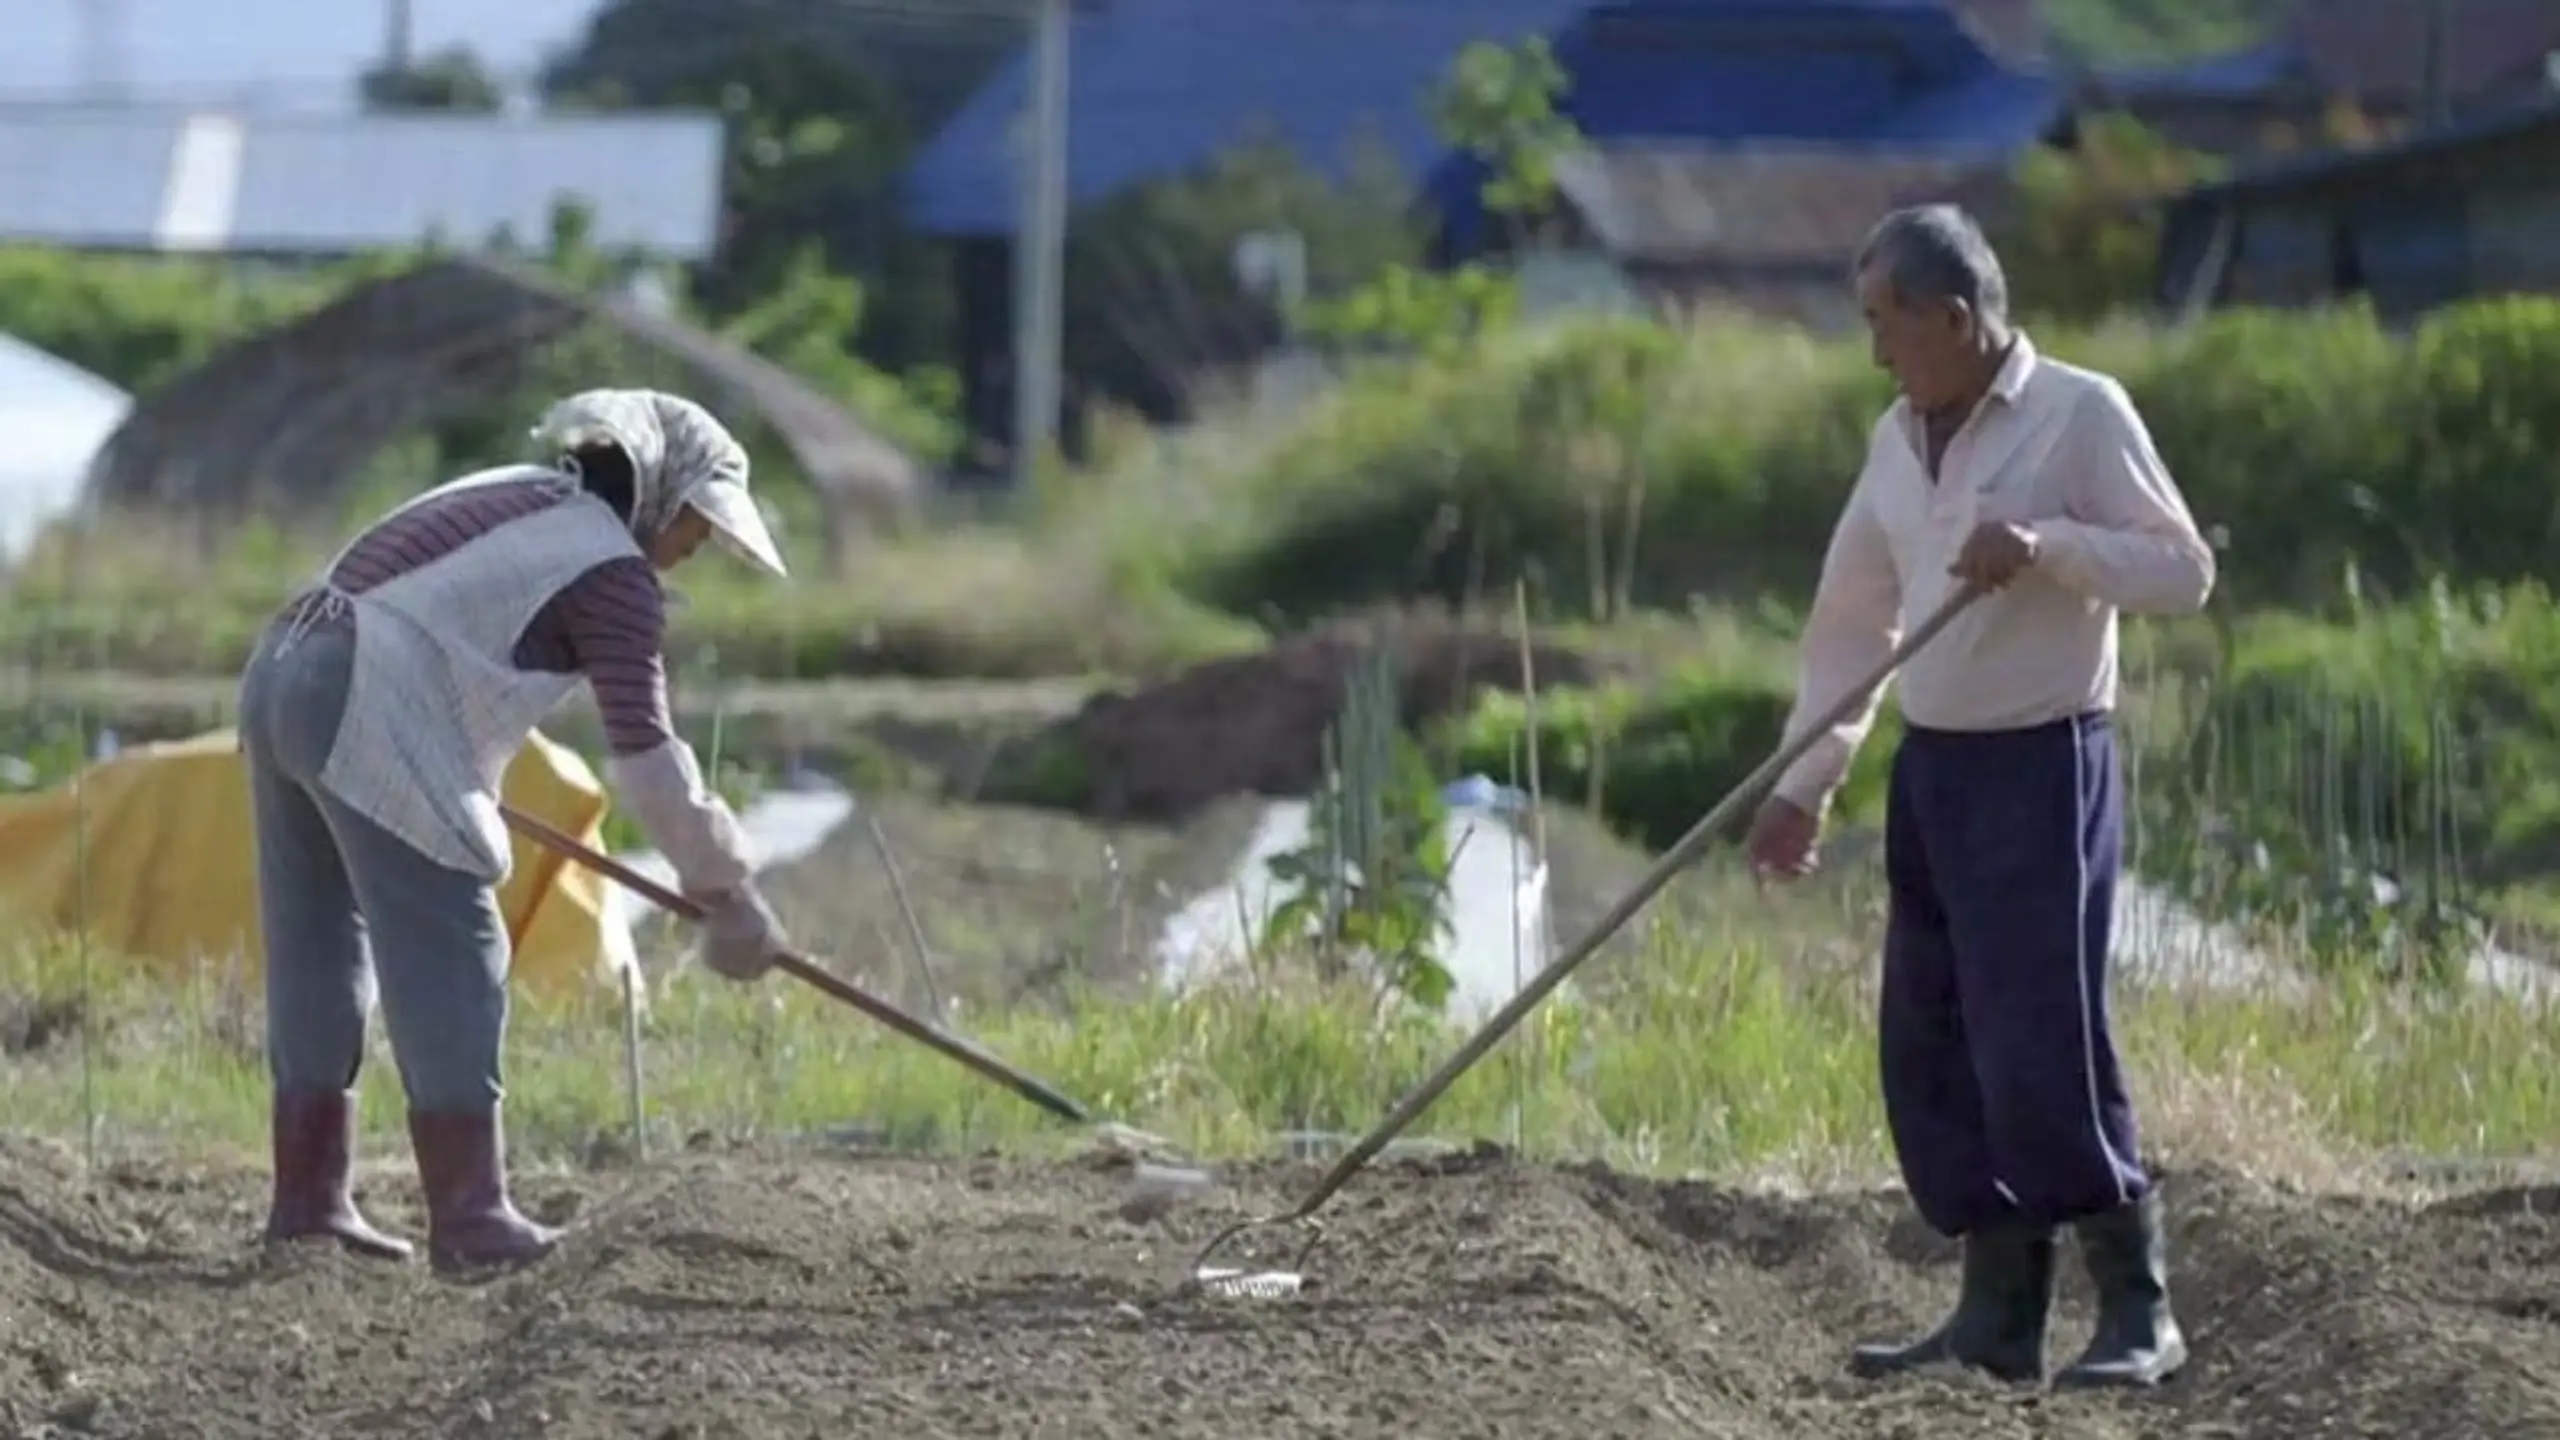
(1159,86)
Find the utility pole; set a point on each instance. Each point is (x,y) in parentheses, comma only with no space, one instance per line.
(101,27)
(1039,247)
(2435,97)
(399,36)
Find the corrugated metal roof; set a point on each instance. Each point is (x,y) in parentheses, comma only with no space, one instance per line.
(2015,30)
(2417,148)
(2377,49)
(157,179)
(2368,50)
(1758,206)
(1159,86)
(81,176)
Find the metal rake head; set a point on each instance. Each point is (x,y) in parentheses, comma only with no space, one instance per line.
(1250,1284)
(1228,1280)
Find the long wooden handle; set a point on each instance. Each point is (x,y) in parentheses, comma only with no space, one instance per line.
(808,972)
(1681,855)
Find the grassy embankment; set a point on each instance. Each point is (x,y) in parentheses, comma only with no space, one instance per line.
(1739,1037)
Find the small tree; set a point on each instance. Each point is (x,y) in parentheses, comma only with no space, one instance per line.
(451,80)
(2082,236)
(1498,105)
(1154,301)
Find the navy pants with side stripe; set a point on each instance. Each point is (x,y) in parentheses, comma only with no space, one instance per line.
(2001,1082)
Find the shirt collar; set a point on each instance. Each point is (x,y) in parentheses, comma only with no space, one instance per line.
(2007,383)
(2016,371)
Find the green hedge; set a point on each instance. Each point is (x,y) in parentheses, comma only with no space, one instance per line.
(2298,777)
(1664,756)
(2310,439)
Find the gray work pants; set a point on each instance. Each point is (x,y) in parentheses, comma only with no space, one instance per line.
(342,901)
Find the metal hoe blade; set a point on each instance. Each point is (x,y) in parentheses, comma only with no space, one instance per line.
(1226,1280)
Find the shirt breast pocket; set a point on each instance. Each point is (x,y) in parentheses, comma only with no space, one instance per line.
(2020,505)
(2027,486)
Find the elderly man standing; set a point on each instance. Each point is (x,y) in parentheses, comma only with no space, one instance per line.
(2036,481)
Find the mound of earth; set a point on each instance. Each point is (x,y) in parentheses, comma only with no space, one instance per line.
(772,1296)
(1254,724)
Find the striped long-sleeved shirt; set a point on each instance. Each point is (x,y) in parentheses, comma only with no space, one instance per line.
(609,625)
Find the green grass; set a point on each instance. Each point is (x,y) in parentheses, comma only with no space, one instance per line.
(1737,1038)
(979,601)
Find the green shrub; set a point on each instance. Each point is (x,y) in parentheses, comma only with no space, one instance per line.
(1663,757)
(2387,784)
(2313,440)
(1521,457)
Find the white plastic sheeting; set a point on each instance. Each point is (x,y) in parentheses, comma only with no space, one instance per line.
(2161,940)
(1497,901)
(54,416)
(1498,935)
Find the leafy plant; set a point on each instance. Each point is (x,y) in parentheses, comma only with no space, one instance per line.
(2082,237)
(1497,105)
(1372,876)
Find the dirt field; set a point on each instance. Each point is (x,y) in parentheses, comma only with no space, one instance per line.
(730,1296)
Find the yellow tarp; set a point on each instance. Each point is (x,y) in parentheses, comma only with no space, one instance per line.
(153,847)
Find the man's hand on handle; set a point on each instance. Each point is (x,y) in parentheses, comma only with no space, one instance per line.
(1785,841)
(741,938)
(1996,553)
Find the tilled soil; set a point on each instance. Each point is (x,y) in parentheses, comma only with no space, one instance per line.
(791,1296)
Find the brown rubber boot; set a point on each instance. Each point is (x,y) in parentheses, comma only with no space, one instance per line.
(471,1222)
(313,1136)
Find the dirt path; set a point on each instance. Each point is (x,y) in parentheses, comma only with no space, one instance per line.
(717,1296)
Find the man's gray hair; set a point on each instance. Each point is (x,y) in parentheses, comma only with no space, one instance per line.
(1937,252)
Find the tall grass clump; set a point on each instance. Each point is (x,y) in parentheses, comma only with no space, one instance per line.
(1735,1036)
(2385,780)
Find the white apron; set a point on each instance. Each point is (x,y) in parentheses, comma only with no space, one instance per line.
(437,710)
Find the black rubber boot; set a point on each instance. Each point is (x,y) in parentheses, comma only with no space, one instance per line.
(1998,1323)
(2136,1343)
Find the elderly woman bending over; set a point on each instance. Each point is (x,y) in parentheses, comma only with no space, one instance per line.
(378,713)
